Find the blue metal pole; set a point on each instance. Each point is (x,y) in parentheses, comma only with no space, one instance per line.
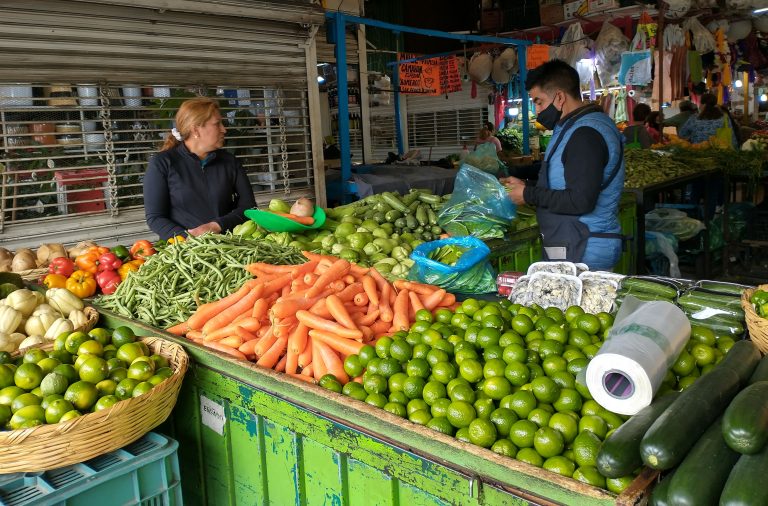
(340,51)
(398,124)
(522,64)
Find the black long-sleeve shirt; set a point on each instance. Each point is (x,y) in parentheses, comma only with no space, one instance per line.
(584,158)
(182,192)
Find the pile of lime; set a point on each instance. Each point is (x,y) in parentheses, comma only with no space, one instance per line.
(83,373)
(503,376)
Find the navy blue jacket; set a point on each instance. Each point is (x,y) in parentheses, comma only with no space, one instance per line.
(182,192)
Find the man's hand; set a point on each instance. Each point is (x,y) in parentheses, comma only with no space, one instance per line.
(511,181)
(212,227)
(515,188)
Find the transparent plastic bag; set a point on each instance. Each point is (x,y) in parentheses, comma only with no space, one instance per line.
(472,273)
(665,245)
(673,221)
(479,206)
(609,46)
(484,158)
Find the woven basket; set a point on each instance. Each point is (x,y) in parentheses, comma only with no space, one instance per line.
(758,326)
(50,446)
(32,274)
(93,319)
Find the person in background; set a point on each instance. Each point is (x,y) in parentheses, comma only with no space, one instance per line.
(653,125)
(704,126)
(582,176)
(687,109)
(192,185)
(636,133)
(486,135)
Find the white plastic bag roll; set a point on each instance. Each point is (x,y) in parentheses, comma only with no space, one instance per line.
(646,339)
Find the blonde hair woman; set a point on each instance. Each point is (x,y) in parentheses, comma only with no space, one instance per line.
(192,185)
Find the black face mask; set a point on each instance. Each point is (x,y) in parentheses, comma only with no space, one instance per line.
(549,116)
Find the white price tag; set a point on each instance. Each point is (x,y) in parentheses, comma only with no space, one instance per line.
(212,415)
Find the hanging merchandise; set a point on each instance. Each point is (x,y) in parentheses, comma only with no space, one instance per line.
(609,46)
(499,74)
(636,65)
(679,72)
(703,40)
(676,9)
(621,116)
(662,73)
(648,27)
(480,66)
(695,67)
(723,59)
(574,45)
(739,30)
(674,37)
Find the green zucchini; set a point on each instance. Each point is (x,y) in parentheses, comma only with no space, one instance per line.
(431,216)
(394,202)
(694,304)
(421,215)
(620,454)
(648,286)
(745,484)
(669,438)
(410,221)
(644,296)
(761,371)
(745,422)
(715,298)
(742,358)
(723,288)
(661,491)
(434,200)
(700,478)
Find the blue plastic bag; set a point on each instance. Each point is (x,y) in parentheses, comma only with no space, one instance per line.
(472,273)
(479,206)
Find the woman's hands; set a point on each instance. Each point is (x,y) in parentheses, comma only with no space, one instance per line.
(515,188)
(212,227)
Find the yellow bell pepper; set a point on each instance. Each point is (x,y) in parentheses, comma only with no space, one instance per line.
(176,240)
(129,267)
(82,284)
(55,281)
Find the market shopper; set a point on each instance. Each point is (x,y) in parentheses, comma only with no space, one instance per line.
(486,135)
(705,126)
(582,176)
(687,109)
(192,185)
(653,126)
(636,133)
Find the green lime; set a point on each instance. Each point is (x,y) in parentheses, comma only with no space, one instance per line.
(497,387)
(423,315)
(420,417)
(441,424)
(517,373)
(545,389)
(108,386)
(465,354)
(396,409)
(589,323)
(461,414)
(328,381)
(421,350)
(69,415)
(577,365)
(463,435)
(54,383)
(484,407)
(433,391)
(28,416)
(594,424)
(122,335)
(48,364)
(440,408)
(530,456)
(454,383)
(619,485)
(125,388)
(400,350)
(482,433)
(376,399)
(48,399)
(548,442)
(444,372)
(560,465)
(353,366)
(413,387)
(94,369)
(540,416)
(510,337)
(521,402)
(129,352)
(522,324)
(416,405)
(396,382)
(503,419)
(382,346)
(443,315)
(8,394)
(354,390)
(590,476)
(366,353)
(34,356)
(703,354)
(389,367)
(470,306)
(703,335)
(107,402)
(504,447)
(418,367)
(101,335)
(6,376)
(569,399)
(27,399)
(612,420)
(566,425)
(471,370)
(56,409)
(585,448)
(91,347)
(494,352)
(547,348)
(556,334)
(553,363)
(74,340)
(436,355)
(494,367)
(572,312)
(522,433)
(374,383)
(398,397)
(82,395)
(563,379)
(489,336)
(462,392)
(28,376)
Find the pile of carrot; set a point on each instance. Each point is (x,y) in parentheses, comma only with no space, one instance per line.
(305,319)
(304,220)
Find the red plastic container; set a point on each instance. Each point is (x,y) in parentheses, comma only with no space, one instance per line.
(89,195)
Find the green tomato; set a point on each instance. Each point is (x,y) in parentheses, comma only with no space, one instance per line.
(350,255)
(345,229)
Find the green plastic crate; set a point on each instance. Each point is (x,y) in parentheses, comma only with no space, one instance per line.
(146,472)
(517,253)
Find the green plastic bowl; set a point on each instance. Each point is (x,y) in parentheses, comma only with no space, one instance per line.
(276,223)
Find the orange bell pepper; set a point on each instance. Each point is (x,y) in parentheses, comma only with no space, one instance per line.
(142,249)
(88,261)
(129,267)
(81,283)
(55,281)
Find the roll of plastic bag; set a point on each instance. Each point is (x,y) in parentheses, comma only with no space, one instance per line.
(646,339)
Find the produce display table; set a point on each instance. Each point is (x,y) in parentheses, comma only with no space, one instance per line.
(249,435)
(376,179)
(648,197)
(756,241)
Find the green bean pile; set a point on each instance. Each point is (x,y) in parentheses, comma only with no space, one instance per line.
(167,289)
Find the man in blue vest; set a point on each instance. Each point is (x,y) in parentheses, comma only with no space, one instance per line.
(582,175)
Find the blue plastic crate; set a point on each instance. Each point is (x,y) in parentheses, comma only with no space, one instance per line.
(146,472)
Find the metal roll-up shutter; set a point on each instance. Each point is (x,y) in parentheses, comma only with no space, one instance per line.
(325,50)
(88,92)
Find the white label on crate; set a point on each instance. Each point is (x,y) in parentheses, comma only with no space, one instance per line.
(212,415)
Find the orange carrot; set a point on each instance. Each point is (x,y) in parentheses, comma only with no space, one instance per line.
(291,360)
(280,367)
(334,272)
(350,291)
(380,281)
(333,363)
(358,379)
(273,269)
(358,271)
(367,319)
(298,285)
(286,290)
(247,348)
(343,346)
(367,332)
(272,356)
(302,377)
(355,310)
(303,269)
(245,314)
(179,329)
(317,360)
(215,345)
(386,310)
(225,317)
(297,341)
(339,312)
(284,326)
(371,290)
(310,278)
(208,311)
(309,371)
(454,306)
(263,331)
(348,279)
(320,309)
(400,311)
(196,335)
(421,288)
(276,284)
(304,220)
(361,299)
(316,322)
(415,301)
(431,301)
(305,357)
(249,325)
(244,334)
(265,343)
(379,327)
(448,300)
(318,256)
(232,341)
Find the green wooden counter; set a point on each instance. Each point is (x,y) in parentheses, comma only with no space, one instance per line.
(249,435)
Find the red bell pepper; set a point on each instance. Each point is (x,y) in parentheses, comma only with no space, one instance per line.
(108,281)
(109,262)
(61,265)
(142,249)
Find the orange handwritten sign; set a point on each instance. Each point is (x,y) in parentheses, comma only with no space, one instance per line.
(434,76)
(536,54)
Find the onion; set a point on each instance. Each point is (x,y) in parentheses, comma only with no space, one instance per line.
(303,207)
(80,248)
(23,261)
(48,252)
